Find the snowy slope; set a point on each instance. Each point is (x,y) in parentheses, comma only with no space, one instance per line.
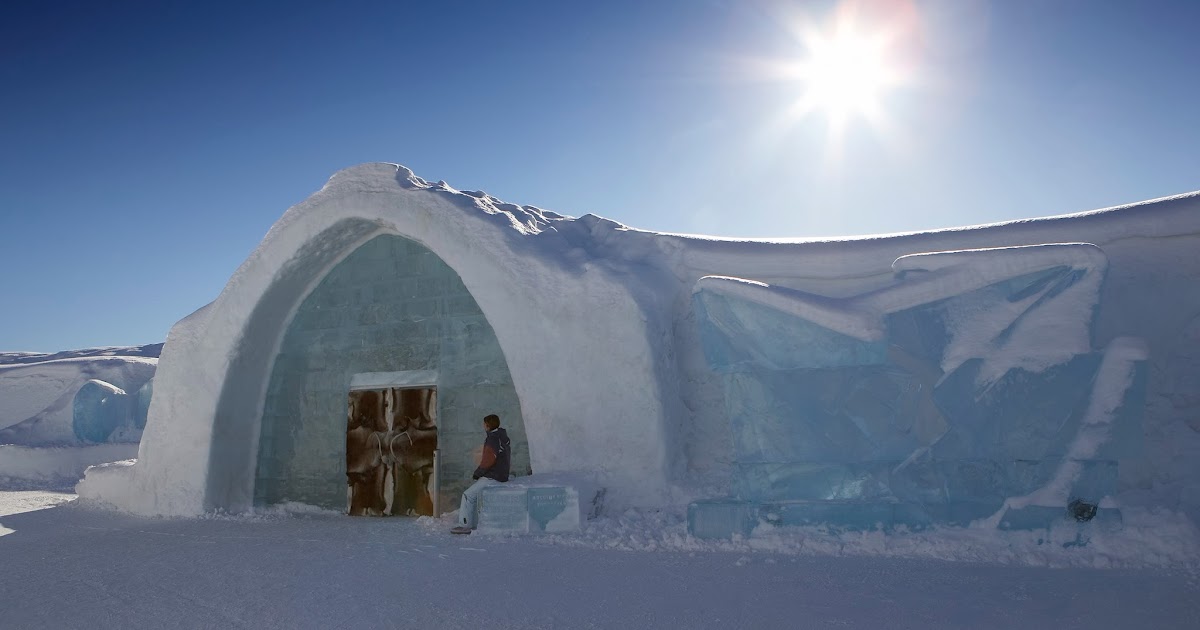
(39,447)
(37,391)
(150,350)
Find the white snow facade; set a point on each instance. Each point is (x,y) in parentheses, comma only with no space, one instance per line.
(998,372)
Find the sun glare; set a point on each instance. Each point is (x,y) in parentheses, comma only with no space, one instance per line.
(845,72)
(849,71)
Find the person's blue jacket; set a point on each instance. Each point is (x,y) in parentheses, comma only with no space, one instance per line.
(496,458)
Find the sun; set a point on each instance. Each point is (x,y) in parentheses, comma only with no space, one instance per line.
(856,71)
(845,72)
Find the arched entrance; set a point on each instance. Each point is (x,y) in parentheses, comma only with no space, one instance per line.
(391,306)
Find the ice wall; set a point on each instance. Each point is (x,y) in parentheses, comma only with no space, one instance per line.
(1149,292)
(968,381)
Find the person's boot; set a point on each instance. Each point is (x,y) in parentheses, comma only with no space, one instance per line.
(461,529)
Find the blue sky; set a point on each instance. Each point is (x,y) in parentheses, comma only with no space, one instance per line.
(146,147)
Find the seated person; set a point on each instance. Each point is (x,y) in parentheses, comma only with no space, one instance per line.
(493,468)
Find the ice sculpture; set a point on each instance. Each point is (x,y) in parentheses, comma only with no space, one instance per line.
(965,390)
(99,409)
(103,412)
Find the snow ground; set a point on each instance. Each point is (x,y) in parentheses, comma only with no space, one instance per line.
(21,501)
(71,566)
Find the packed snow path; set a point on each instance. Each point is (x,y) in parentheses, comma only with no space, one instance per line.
(71,567)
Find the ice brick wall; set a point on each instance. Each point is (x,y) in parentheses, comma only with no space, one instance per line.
(392,305)
(832,429)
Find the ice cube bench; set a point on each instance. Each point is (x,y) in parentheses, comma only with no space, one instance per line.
(531,507)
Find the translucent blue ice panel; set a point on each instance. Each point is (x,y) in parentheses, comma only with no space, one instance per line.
(721,518)
(1023,415)
(920,333)
(837,415)
(1028,415)
(827,428)
(737,333)
(97,411)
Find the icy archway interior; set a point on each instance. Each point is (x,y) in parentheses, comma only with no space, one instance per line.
(390,306)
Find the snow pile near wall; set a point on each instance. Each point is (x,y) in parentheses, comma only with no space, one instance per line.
(39,444)
(1160,539)
(55,467)
(596,322)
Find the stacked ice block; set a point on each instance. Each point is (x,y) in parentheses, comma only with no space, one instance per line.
(902,426)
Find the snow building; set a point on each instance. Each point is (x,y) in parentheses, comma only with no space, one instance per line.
(996,374)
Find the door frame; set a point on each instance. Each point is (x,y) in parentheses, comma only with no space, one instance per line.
(407,379)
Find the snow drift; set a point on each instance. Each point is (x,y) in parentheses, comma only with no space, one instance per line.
(63,412)
(38,392)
